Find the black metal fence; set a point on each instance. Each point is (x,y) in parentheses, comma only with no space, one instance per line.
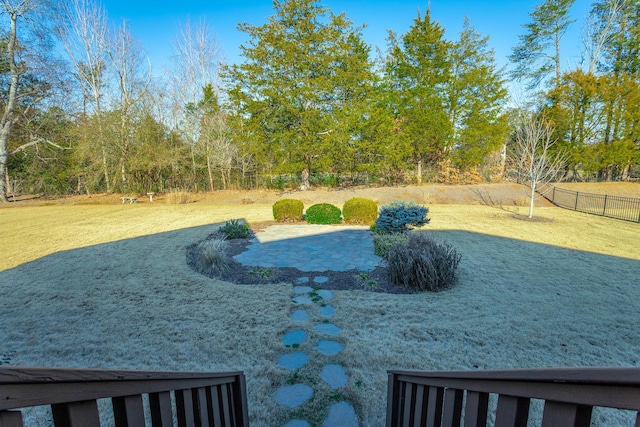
(625,208)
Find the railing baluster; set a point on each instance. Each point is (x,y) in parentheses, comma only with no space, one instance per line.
(407,411)
(215,405)
(184,408)
(452,413)
(128,411)
(512,411)
(393,400)
(200,407)
(224,394)
(76,414)
(476,408)
(239,395)
(566,414)
(420,409)
(161,412)
(434,407)
(11,419)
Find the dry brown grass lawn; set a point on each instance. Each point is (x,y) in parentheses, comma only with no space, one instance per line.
(108,286)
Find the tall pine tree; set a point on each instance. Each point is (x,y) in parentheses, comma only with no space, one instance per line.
(538,53)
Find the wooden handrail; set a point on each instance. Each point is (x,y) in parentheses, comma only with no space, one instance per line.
(569,394)
(202,398)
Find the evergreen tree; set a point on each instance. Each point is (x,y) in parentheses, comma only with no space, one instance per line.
(476,96)
(419,70)
(306,73)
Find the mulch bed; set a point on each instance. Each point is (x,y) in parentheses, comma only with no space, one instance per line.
(372,281)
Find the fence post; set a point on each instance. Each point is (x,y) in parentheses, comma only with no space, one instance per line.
(553,195)
(575,207)
(604,208)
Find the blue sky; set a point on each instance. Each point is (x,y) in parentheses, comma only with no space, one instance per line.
(155,23)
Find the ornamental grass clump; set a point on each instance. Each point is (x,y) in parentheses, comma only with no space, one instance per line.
(210,258)
(360,211)
(401,216)
(323,213)
(422,264)
(234,229)
(178,197)
(288,210)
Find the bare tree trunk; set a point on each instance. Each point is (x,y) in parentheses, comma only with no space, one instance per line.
(8,117)
(419,169)
(304,177)
(209,170)
(503,160)
(123,173)
(532,198)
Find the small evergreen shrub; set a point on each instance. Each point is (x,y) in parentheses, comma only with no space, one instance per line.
(288,210)
(401,216)
(210,258)
(323,213)
(234,229)
(360,211)
(422,264)
(382,243)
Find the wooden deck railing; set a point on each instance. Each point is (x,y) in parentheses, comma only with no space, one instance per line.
(201,399)
(417,398)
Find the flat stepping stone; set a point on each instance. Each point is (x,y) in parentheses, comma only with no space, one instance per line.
(293,361)
(297,423)
(294,338)
(302,280)
(327,311)
(327,328)
(302,300)
(341,414)
(299,316)
(293,395)
(320,279)
(329,347)
(325,294)
(334,375)
(302,289)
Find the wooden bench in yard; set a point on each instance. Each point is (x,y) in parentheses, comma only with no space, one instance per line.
(129,199)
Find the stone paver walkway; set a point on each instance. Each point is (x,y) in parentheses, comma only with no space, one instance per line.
(339,414)
(313,248)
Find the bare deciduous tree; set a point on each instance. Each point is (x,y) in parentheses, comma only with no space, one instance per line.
(83,32)
(532,150)
(28,80)
(197,61)
(598,28)
(220,151)
(133,73)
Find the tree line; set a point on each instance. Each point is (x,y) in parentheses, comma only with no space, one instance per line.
(309,104)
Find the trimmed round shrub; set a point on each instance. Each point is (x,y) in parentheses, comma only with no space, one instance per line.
(401,216)
(423,264)
(360,211)
(323,213)
(288,210)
